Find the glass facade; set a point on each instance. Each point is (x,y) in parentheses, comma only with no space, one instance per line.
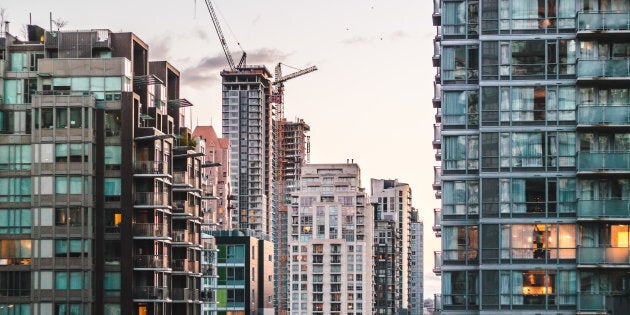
(534,151)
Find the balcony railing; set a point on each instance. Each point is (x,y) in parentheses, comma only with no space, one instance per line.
(591,302)
(603,255)
(609,68)
(437,302)
(437,136)
(180,236)
(603,208)
(437,95)
(150,261)
(437,267)
(158,230)
(184,265)
(149,168)
(150,293)
(185,294)
(437,53)
(437,12)
(604,161)
(437,222)
(604,114)
(603,21)
(437,178)
(151,199)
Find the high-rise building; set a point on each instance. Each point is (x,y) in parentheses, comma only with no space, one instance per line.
(330,242)
(248,123)
(293,152)
(99,178)
(392,227)
(533,141)
(216,179)
(416,271)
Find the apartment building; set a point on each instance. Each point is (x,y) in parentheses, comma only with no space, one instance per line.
(392,245)
(100,182)
(416,267)
(330,241)
(531,132)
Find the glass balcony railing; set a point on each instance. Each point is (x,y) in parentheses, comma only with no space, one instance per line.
(604,161)
(604,208)
(150,262)
(437,222)
(437,94)
(604,114)
(591,302)
(150,293)
(437,178)
(149,168)
(151,230)
(151,199)
(437,267)
(603,255)
(603,21)
(437,136)
(608,68)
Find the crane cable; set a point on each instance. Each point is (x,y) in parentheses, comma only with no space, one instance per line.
(225,22)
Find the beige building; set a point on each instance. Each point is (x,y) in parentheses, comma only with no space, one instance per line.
(330,242)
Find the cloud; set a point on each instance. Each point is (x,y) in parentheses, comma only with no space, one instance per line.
(357,40)
(160,46)
(208,69)
(201,33)
(398,35)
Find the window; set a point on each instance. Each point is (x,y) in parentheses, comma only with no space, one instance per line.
(73,280)
(72,248)
(71,216)
(460,108)
(111,283)
(537,16)
(15,309)
(461,197)
(15,283)
(461,153)
(461,243)
(112,189)
(538,241)
(15,252)
(15,221)
(113,157)
(460,18)
(460,64)
(15,189)
(460,288)
(15,157)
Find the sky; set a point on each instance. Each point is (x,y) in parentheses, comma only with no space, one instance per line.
(370,100)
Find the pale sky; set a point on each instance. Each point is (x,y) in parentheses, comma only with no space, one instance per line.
(369,101)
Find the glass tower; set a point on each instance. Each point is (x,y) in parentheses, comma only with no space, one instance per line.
(532,136)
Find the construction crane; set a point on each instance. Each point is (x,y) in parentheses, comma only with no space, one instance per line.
(226,49)
(278,84)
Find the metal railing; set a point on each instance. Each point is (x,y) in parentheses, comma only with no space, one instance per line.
(150,261)
(150,293)
(151,199)
(603,21)
(149,167)
(611,208)
(603,68)
(150,230)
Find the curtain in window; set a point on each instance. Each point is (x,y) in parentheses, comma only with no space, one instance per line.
(448,60)
(454,14)
(76,280)
(450,243)
(517,288)
(112,154)
(566,103)
(566,241)
(111,281)
(504,149)
(566,286)
(527,149)
(566,149)
(61,280)
(588,236)
(61,185)
(519,204)
(504,195)
(524,14)
(505,104)
(76,184)
(506,236)
(522,100)
(504,287)
(454,108)
(447,298)
(566,195)
(112,187)
(455,153)
(473,197)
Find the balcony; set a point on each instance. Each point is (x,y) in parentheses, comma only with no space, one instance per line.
(437,303)
(437,12)
(437,266)
(150,231)
(437,136)
(185,295)
(437,95)
(208,296)
(438,155)
(142,293)
(593,303)
(598,70)
(604,208)
(437,53)
(150,262)
(181,237)
(438,115)
(594,256)
(437,178)
(603,115)
(184,265)
(182,208)
(150,169)
(182,181)
(604,162)
(603,23)
(152,200)
(437,222)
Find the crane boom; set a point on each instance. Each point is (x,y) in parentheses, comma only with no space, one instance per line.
(280,79)
(226,49)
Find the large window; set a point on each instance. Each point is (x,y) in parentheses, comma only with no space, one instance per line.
(73,280)
(72,248)
(112,283)
(529,59)
(15,221)
(460,198)
(460,109)
(460,64)
(15,283)
(15,157)
(73,185)
(459,288)
(537,287)
(15,189)
(461,243)
(541,16)
(538,241)
(15,252)
(461,153)
(519,150)
(460,18)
